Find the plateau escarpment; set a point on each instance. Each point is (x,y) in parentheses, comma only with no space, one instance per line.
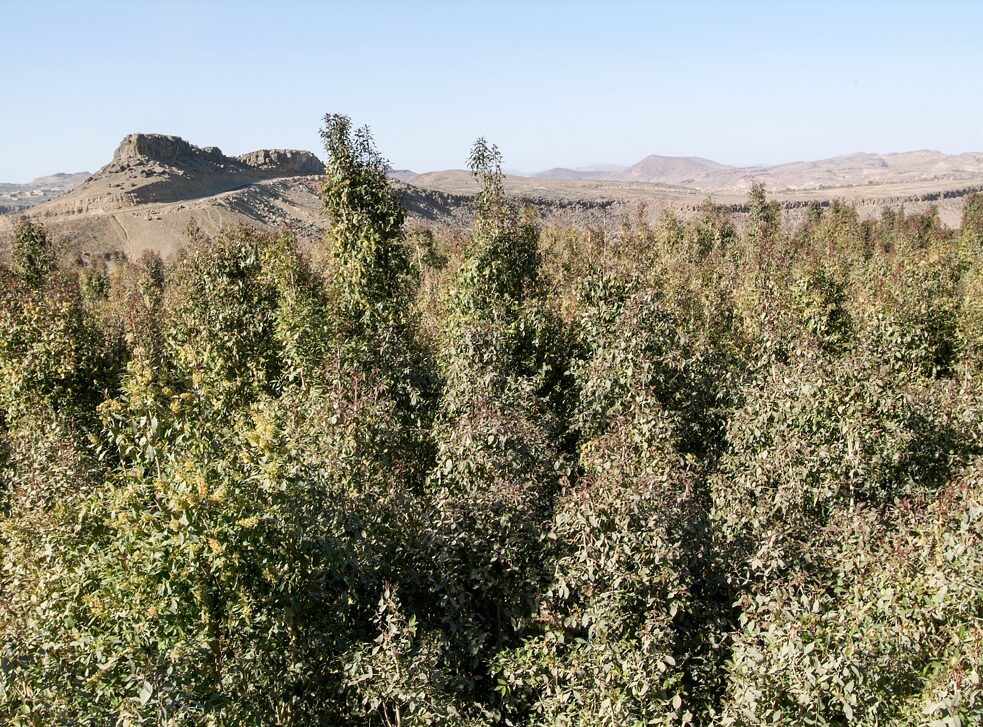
(159,168)
(155,185)
(286,161)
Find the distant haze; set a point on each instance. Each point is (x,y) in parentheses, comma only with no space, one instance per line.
(568,84)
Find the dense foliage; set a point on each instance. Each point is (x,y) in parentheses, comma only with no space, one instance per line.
(713,471)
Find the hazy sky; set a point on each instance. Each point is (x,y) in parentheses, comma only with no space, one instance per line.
(552,83)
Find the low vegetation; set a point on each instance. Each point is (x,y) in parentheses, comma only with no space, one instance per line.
(703,472)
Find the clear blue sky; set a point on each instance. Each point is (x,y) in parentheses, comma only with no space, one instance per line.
(552,83)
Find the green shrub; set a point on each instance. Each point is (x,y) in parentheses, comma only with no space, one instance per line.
(52,354)
(32,253)
(889,634)
(815,436)
(607,644)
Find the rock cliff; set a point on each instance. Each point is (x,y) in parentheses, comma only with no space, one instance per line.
(173,151)
(156,168)
(288,161)
(165,149)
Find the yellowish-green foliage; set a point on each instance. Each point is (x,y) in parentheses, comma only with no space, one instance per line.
(704,471)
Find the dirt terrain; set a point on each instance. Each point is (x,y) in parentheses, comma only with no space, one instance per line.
(626,195)
(156,185)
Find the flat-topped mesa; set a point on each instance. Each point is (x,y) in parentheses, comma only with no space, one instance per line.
(288,161)
(175,151)
(165,149)
(160,168)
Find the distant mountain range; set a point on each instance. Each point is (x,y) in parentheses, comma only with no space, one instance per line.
(61,181)
(842,171)
(850,170)
(600,171)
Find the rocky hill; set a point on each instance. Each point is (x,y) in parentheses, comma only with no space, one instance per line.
(154,168)
(156,185)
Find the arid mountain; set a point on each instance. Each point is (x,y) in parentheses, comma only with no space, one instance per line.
(850,170)
(623,197)
(862,169)
(156,185)
(154,168)
(61,181)
(592,171)
(682,171)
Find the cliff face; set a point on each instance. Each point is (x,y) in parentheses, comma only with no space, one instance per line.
(165,149)
(152,168)
(175,151)
(288,161)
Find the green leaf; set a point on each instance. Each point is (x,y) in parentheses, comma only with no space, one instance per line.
(146,692)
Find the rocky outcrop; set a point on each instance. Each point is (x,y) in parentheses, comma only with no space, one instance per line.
(288,161)
(164,149)
(158,168)
(176,152)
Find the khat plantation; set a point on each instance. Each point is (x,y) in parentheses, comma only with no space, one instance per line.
(467,457)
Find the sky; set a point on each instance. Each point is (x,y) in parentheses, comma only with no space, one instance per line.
(551,83)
